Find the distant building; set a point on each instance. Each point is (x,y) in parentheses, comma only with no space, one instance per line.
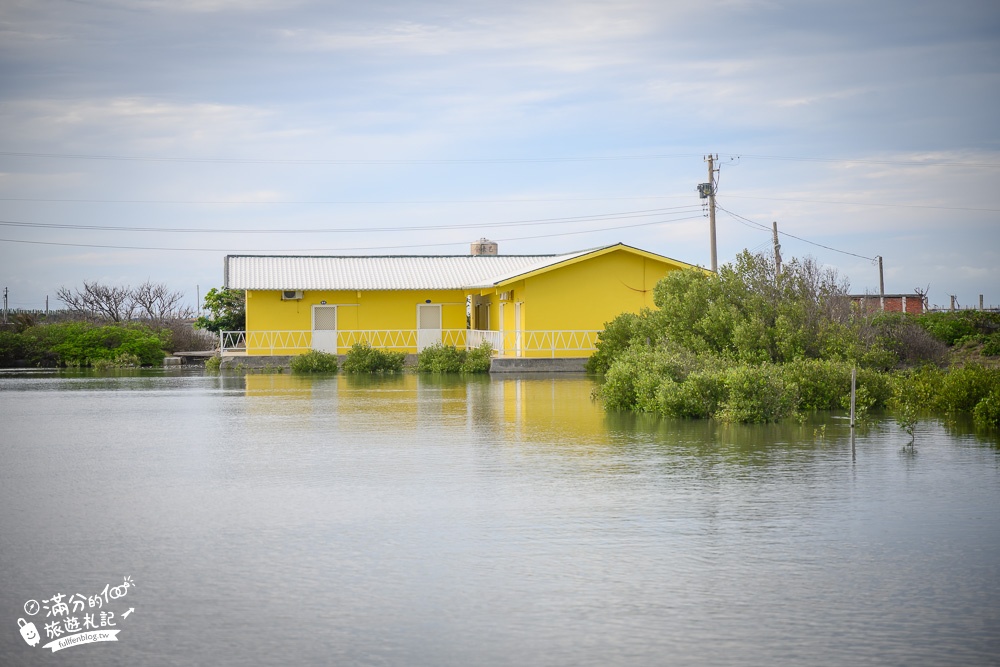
(914,304)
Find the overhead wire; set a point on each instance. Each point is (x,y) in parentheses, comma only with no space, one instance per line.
(793,236)
(210,230)
(466,161)
(396,247)
(881,205)
(336,201)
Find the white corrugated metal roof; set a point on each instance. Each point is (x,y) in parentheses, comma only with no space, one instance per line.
(276,272)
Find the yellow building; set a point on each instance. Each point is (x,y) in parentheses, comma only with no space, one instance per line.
(524,305)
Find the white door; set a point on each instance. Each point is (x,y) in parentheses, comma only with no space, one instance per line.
(325,329)
(428,325)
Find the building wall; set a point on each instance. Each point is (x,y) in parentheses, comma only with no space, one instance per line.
(914,303)
(580,297)
(356,311)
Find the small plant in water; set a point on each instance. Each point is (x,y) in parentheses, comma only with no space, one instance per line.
(907,420)
(315,361)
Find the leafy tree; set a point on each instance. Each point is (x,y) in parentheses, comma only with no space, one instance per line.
(227,308)
(748,313)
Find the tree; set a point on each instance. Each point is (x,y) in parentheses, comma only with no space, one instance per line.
(227,308)
(149,301)
(156,303)
(100,302)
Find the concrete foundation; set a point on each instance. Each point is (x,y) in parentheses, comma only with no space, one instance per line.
(285,361)
(498,365)
(538,365)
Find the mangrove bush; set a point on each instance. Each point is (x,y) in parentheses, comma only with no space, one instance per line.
(363,358)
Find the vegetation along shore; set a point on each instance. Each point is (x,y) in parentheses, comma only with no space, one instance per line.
(749,344)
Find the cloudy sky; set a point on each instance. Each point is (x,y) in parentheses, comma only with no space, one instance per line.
(146,139)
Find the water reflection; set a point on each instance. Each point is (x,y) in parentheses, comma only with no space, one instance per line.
(508,520)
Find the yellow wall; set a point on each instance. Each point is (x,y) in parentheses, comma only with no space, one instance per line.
(587,294)
(582,296)
(266,311)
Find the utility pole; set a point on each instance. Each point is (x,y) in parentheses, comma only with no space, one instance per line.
(46,305)
(777,250)
(5,305)
(711,211)
(881,285)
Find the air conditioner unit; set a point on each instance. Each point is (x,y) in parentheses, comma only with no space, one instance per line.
(291,295)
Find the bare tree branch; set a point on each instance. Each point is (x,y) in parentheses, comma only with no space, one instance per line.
(157,303)
(109,303)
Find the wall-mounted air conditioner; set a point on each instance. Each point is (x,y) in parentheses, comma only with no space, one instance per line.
(291,294)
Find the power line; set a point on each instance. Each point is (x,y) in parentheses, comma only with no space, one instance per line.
(410,245)
(756,226)
(851,203)
(466,161)
(231,160)
(897,163)
(798,238)
(338,201)
(410,202)
(677,210)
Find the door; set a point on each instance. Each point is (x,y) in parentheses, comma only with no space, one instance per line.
(428,325)
(324,336)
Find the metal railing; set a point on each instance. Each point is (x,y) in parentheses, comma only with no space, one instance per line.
(504,343)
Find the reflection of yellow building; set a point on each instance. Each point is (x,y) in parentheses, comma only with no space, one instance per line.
(524,306)
(557,410)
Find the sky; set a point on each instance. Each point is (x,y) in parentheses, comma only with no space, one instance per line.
(146,139)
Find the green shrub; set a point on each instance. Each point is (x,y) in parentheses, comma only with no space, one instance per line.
(213,364)
(16,349)
(633,380)
(962,389)
(955,327)
(697,397)
(363,358)
(987,411)
(478,359)
(123,360)
(619,334)
(896,339)
(971,390)
(440,358)
(991,345)
(314,361)
(757,394)
(82,344)
(822,385)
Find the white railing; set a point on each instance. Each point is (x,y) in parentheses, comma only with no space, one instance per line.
(509,343)
(275,342)
(477,338)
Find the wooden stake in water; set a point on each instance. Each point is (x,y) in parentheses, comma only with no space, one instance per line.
(854,379)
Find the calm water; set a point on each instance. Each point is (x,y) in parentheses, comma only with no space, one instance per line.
(410,521)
